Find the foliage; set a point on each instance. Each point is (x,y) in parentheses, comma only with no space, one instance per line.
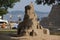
(47,1)
(2,11)
(5,4)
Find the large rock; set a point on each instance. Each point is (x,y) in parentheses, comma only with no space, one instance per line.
(30,25)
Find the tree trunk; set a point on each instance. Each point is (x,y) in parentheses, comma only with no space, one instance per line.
(2,17)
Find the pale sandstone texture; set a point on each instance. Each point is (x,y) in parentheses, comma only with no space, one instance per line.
(30,25)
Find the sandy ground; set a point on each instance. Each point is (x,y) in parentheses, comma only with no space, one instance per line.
(49,37)
(7,36)
(44,37)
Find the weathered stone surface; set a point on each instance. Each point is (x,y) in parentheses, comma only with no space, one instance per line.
(54,15)
(30,26)
(53,19)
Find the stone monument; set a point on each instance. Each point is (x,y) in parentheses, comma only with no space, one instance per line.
(30,25)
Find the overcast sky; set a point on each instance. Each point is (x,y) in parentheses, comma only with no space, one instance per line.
(20,6)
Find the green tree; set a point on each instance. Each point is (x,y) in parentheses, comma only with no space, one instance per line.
(5,4)
(47,1)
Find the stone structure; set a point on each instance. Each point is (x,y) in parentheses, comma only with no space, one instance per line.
(53,19)
(54,15)
(30,26)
